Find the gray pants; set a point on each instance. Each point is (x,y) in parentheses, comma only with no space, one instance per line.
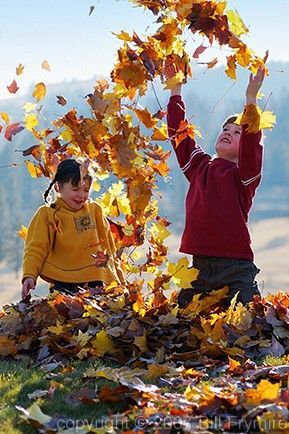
(217,272)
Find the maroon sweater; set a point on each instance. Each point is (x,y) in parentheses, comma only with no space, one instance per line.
(220,192)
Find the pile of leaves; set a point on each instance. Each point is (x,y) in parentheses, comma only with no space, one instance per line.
(198,361)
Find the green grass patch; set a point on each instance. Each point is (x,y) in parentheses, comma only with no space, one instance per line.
(17,380)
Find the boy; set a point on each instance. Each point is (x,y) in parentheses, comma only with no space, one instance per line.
(219,199)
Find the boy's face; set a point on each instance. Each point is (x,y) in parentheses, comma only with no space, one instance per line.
(74,196)
(228,141)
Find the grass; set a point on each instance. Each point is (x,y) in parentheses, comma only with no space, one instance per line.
(17,380)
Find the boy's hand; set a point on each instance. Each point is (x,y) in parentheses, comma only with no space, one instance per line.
(27,286)
(255,83)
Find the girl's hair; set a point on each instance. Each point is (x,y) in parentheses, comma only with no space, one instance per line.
(230,120)
(67,171)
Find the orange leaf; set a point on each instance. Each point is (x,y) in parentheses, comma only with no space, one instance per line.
(39,91)
(45,65)
(146,117)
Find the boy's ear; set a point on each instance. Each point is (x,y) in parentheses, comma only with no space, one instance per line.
(56,187)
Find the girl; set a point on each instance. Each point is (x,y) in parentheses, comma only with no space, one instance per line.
(63,237)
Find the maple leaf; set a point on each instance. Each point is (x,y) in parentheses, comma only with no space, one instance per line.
(61,100)
(22,232)
(264,392)
(231,67)
(181,273)
(255,119)
(12,88)
(5,117)
(31,121)
(39,91)
(19,69)
(45,65)
(12,130)
(145,117)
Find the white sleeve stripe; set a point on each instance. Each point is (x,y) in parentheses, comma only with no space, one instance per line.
(249,181)
(193,154)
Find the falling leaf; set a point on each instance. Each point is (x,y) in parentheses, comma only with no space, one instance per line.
(236,23)
(34,171)
(31,121)
(61,100)
(39,91)
(45,65)
(12,88)
(22,232)
(91,9)
(5,117)
(19,69)
(12,130)
(198,51)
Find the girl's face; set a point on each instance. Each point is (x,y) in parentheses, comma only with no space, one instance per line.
(74,196)
(228,142)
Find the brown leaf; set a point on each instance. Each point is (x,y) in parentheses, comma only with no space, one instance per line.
(61,100)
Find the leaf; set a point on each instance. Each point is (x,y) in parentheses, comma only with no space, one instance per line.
(12,88)
(254,119)
(236,23)
(5,117)
(198,51)
(34,171)
(124,36)
(12,130)
(91,9)
(31,121)
(22,232)
(265,391)
(61,100)
(29,107)
(19,69)
(231,67)
(102,343)
(146,118)
(39,91)
(101,259)
(34,413)
(45,65)
(182,275)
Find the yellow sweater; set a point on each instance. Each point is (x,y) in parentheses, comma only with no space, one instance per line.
(60,243)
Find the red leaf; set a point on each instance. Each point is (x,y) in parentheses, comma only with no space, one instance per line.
(12,130)
(12,88)
(198,51)
(101,259)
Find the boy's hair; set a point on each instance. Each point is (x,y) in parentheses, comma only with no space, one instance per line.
(68,170)
(230,120)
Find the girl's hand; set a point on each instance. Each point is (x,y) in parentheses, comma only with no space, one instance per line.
(27,286)
(255,83)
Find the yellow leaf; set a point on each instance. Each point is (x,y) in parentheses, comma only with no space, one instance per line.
(178,78)
(23,232)
(19,69)
(45,65)
(29,107)
(160,133)
(159,231)
(236,23)
(34,171)
(233,364)
(256,119)
(56,330)
(181,274)
(39,91)
(31,121)
(66,135)
(102,343)
(264,392)
(155,371)
(123,36)
(5,117)
(82,338)
(231,67)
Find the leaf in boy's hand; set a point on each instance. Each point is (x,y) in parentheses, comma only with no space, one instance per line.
(101,259)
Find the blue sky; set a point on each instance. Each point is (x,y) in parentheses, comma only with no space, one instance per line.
(79,46)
